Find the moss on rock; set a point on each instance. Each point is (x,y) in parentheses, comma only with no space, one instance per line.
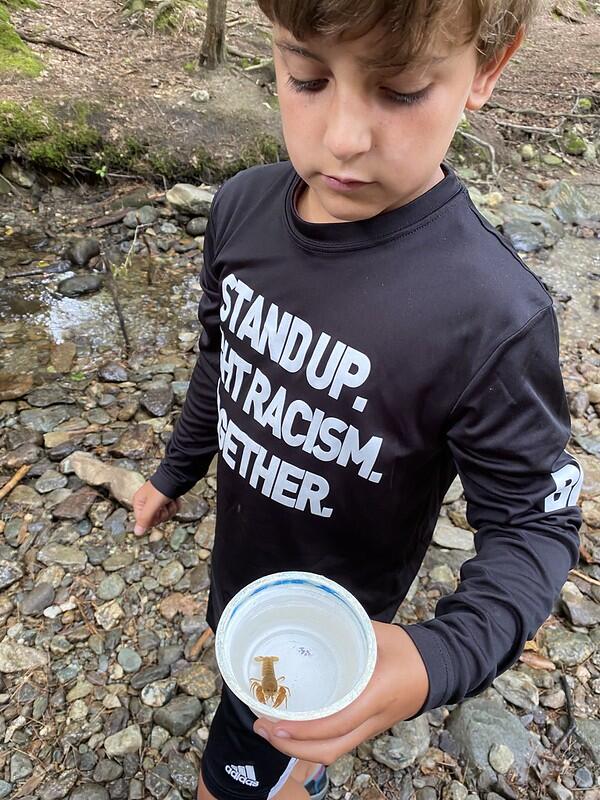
(15,56)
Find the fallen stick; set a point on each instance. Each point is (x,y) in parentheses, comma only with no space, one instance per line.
(51,42)
(584,577)
(199,644)
(16,478)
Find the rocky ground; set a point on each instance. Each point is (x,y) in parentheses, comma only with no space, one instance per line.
(108,681)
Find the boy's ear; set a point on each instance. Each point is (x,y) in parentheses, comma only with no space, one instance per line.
(487,75)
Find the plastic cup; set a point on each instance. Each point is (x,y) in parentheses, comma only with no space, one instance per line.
(320,634)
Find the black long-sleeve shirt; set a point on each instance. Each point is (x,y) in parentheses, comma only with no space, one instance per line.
(346,372)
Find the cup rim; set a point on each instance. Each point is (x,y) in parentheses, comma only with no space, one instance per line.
(295,576)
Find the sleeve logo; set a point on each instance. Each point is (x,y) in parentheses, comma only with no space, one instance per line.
(568,481)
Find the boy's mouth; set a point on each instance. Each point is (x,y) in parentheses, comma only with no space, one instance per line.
(343,184)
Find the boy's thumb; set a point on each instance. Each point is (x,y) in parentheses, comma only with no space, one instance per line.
(139,529)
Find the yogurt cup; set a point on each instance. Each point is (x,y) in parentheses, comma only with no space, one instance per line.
(320,638)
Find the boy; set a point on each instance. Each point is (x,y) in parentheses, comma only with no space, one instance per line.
(366,335)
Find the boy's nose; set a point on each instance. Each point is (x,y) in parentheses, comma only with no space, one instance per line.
(347,129)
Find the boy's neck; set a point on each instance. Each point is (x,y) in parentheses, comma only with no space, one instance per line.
(309,208)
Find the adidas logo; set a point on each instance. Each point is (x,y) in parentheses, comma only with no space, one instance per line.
(243,775)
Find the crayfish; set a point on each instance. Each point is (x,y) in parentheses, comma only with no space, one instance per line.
(268,689)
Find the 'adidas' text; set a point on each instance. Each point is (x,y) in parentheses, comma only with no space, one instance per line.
(243,775)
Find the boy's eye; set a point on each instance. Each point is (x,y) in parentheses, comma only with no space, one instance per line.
(306,86)
(407,99)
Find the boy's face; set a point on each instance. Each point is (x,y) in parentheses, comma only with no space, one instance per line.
(366,143)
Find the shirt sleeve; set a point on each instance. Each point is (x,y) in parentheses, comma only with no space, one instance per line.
(193,442)
(507,435)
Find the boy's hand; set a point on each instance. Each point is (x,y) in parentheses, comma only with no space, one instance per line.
(151,508)
(396,691)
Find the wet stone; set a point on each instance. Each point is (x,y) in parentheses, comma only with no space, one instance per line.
(35,601)
(98,416)
(80,285)
(113,372)
(80,251)
(49,396)
(13,387)
(158,401)
(145,215)
(45,419)
(50,480)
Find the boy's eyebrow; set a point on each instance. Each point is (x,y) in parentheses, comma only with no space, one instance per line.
(296,48)
(367,62)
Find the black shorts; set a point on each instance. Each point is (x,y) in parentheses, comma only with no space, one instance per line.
(238,764)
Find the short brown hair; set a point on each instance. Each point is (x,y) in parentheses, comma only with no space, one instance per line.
(409,26)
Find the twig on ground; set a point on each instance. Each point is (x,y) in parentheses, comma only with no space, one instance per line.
(535,111)
(51,42)
(570,718)
(530,128)
(196,648)
(482,142)
(16,478)
(110,281)
(240,53)
(582,575)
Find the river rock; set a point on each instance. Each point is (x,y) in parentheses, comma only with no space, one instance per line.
(190,199)
(144,215)
(135,442)
(110,587)
(71,558)
(501,758)
(478,723)
(45,419)
(198,681)
(524,236)
(129,740)
(197,226)
(80,285)
(12,387)
(9,573)
(588,731)
(50,480)
(567,648)
(158,693)
(62,355)
(18,657)
(58,786)
(89,791)
(80,251)
(76,505)
(38,599)
(446,535)
(183,772)
(581,611)
(569,204)
(52,395)
(109,614)
(113,372)
(341,770)
(179,714)
(158,400)
(518,689)
(409,741)
(122,483)
(20,767)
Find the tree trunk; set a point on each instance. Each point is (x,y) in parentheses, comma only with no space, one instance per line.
(212,51)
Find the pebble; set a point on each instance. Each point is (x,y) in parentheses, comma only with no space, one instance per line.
(128,740)
(501,758)
(129,659)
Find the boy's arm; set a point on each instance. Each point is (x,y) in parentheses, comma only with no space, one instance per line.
(507,435)
(193,443)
